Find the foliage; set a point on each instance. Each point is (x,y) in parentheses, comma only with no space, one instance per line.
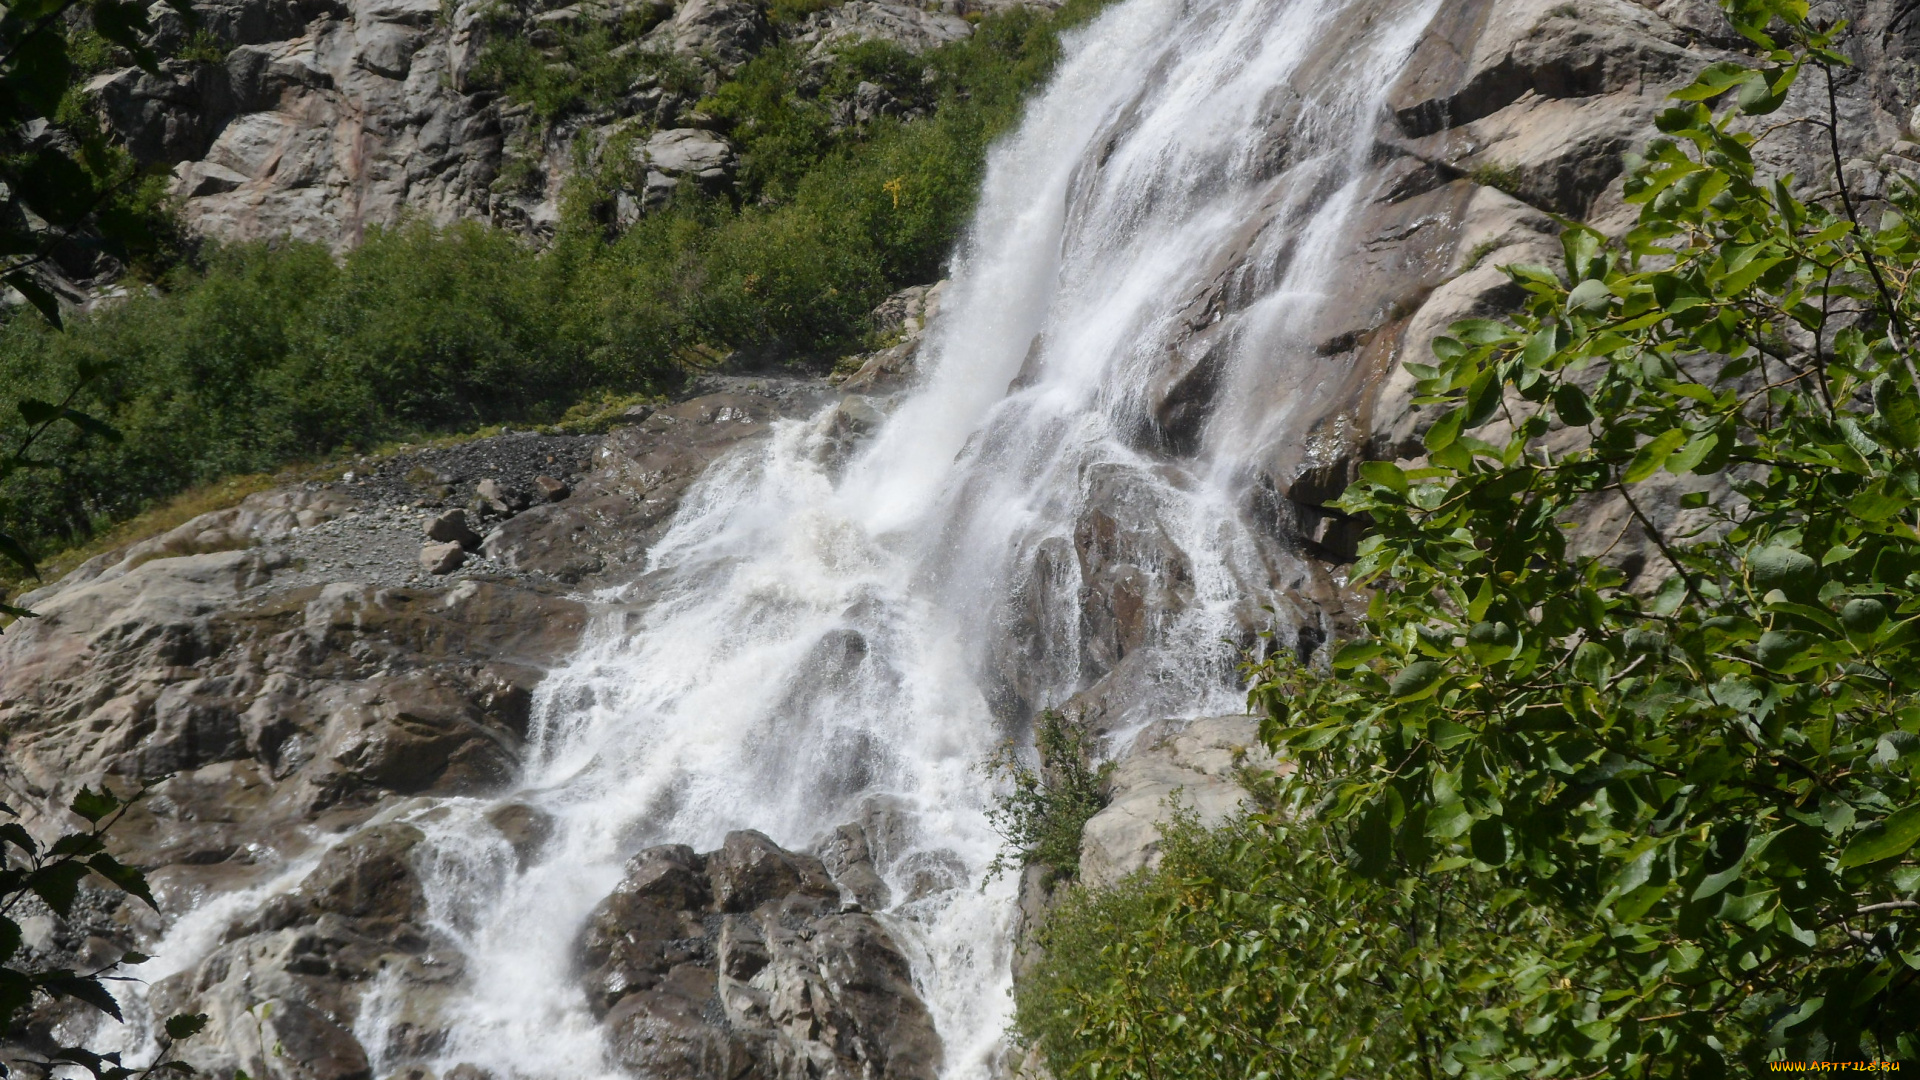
(67,195)
(1045,809)
(781,107)
(590,64)
(1599,830)
(1168,973)
(271,355)
(52,874)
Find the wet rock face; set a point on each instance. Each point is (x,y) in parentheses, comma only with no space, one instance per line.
(750,962)
(282,990)
(301,680)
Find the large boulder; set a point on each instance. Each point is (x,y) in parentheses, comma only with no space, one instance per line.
(747,963)
(1197,766)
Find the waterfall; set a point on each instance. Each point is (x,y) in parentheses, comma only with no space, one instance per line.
(818,640)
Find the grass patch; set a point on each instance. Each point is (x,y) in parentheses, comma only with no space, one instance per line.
(1498,176)
(169,514)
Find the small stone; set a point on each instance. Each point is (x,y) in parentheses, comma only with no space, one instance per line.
(550,489)
(499,498)
(452,527)
(442,558)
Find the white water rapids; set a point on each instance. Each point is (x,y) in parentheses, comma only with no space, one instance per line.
(819,642)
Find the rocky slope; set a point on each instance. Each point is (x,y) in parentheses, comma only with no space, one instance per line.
(317,119)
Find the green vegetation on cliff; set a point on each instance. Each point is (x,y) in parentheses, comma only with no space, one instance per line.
(260,355)
(1543,824)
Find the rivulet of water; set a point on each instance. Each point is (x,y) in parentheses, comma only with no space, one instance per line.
(822,640)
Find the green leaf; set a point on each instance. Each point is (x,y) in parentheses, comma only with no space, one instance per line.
(1650,457)
(1445,431)
(1355,653)
(1688,457)
(92,426)
(1416,680)
(125,24)
(55,187)
(57,885)
(1373,841)
(36,412)
(185,1026)
(1883,839)
(127,878)
(1714,80)
(1876,505)
(24,283)
(1570,402)
(1590,297)
(1715,883)
(16,834)
(94,805)
(83,988)
(1759,96)
(1488,841)
(1899,413)
(40,73)
(1386,474)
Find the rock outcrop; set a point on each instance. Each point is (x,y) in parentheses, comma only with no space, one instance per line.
(317,119)
(1195,765)
(806,983)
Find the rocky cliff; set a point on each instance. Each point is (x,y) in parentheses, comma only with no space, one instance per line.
(306,679)
(316,119)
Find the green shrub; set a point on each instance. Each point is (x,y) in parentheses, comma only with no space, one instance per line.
(1167,975)
(1045,810)
(586,69)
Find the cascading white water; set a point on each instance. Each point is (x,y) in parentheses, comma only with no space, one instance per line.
(821,637)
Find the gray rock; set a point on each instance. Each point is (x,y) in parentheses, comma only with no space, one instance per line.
(723,32)
(848,857)
(914,29)
(499,498)
(451,527)
(676,156)
(1192,764)
(443,558)
(750,870)
(905,316)
(526,828)
(804,988)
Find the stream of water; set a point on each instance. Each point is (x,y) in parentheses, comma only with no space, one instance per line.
(821,640)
